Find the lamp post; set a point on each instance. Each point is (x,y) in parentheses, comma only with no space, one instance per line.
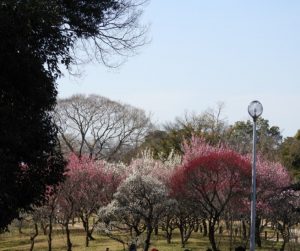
(255,109)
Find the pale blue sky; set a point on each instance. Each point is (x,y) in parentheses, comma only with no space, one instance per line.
(203,52)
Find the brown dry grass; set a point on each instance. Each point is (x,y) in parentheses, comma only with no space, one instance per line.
(13,241)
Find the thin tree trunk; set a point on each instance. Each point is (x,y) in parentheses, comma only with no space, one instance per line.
(187,234)
(32,238)
(44,228)
(185,230)
(87,233)
(257,232)
(50,234)
(91,238)
(148,237)
(244,230)
(204,228)
(283,245)
(169,236)
(182,235)
(69,243)
(211,235)
(169,231)
(196,229)
(231,234)
(285,236)
(20,225)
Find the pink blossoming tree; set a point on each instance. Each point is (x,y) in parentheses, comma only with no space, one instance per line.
(212,178)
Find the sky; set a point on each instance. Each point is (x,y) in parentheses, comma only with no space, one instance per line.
(205,52)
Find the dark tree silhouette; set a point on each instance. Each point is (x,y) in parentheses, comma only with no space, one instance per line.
(37,37)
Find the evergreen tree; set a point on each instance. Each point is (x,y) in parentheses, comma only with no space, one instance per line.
(37,37)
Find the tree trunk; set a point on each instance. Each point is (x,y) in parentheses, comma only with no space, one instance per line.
(285,236)
(257,232)
(231,234)
(185,229)
(44,228)
(227,224)
(20,225)
(182,235)
(69,243)
(169,232)
(148,237)
(32,238)
(87,233)
(283,246)
(196,229)
(169,236)
(132,247)
(211,235)
(204,228)
(50,234)
(244,230)
(91,238)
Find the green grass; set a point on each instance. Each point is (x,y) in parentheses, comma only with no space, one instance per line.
(13,241)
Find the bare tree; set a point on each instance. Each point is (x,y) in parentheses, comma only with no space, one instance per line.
(120,34)
(102,128)
(211,124)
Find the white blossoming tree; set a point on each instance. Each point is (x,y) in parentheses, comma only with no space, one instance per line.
(139,203)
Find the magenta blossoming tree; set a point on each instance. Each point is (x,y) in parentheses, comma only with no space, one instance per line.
(212,178)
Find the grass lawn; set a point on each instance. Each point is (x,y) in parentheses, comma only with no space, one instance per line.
(14,241)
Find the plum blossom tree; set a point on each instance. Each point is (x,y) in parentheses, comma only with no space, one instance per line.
(169,221)
(47,213)
(93,186)
(139,203)
(116,219)
(67,206)
(186,218)
(146,164)
(198,146)
(272,178)
(285,213)
(212,178)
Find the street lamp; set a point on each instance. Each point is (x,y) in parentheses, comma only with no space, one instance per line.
(255,109)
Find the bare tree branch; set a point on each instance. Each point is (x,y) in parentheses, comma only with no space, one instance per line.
(97,126)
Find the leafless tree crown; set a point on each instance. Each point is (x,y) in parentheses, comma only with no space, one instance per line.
(97,126)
